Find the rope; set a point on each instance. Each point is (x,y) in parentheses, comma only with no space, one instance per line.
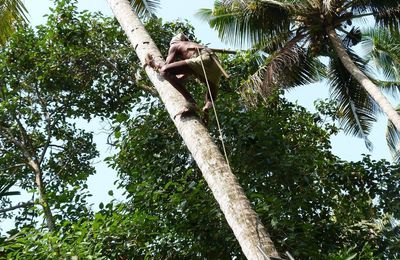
(214,109)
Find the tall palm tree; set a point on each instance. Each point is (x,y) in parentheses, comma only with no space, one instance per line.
(245,224)
(383,48)
(297,33)
(12,14)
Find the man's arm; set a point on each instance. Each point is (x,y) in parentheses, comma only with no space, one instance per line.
(171,54)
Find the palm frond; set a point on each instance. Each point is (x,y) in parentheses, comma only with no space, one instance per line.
(353,37)
(390,87)
(145,8)
(5,185)
(386,13)
(393,139)
(383,48)
(12,14)
(389,18)
(356,108)
(288,67)
(245,23)
(273,42)
(361,6)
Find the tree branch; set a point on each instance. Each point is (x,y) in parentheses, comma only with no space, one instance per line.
(20,205)
(9,136)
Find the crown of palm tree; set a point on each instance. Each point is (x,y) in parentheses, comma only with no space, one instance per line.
(295,33)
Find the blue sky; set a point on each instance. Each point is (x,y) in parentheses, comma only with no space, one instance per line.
(346,147)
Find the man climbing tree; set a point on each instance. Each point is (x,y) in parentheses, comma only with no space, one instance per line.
(187,58)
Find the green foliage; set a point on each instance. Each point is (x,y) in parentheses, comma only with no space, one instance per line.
(112,233)
(314,205)
(12,15)
(355,106)
(73,67)
(78,57)
(295,34)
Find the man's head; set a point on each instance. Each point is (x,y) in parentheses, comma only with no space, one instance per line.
(178,38)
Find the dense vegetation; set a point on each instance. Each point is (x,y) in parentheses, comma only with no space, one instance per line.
(79,66)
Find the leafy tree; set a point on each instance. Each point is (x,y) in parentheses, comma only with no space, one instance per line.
(296,33)
(75,67)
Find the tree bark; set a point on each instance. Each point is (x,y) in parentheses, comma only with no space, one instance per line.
(248,229)
(364,81)
(48,216)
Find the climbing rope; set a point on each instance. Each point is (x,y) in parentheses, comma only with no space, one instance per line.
(214,109)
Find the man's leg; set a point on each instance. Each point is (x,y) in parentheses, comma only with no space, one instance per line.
(210,98)
(170,72)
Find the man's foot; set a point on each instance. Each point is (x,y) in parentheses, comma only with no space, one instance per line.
(207,106)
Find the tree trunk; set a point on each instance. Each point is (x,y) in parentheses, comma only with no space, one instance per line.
(224,185)
(48,216)
(364,81)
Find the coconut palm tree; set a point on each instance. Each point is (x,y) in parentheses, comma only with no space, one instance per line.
(12,14)
(383,48)
(298,32)
(248,229)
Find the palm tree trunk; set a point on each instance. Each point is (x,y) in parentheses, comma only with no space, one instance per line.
(364,81)
(224,185)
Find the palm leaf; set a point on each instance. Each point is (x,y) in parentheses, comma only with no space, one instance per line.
(390,87)
(288,67)
(244,22)
(386,13)
(272,43)
(5,185)
(389,18)
(356,108)
(12,14)
(393,140)
(145,8)
(353,37)
(383,48)
(362,6)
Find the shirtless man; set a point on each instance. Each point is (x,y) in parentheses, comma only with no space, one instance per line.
(183,60)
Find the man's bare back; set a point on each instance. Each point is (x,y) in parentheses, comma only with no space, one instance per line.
(185,49)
